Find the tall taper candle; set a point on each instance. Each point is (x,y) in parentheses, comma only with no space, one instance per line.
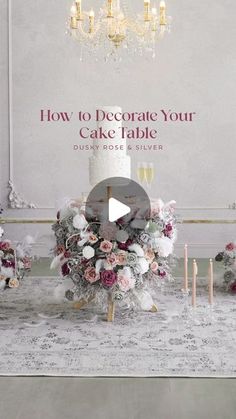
(147,10)
(110,8)
(194,283)
(210,284)
(162,13)
(73,20)
(185,267)
(91,21)
(79,9)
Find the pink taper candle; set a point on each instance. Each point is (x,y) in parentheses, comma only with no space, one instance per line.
(194,283)
(210,284)
(185,267)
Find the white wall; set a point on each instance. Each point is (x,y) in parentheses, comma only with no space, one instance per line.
(194,71)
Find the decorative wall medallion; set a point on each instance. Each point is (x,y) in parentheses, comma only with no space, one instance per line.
(16,201)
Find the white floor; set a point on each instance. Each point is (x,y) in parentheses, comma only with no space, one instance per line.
(150,398)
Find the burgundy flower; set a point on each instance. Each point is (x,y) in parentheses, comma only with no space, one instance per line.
(8,263)
(230,247)
(168,230)
(162,274)
(108,278)
(84,262)
(124,246)
(65,270)
(233,287)
(67,254)
(169,227)
(5,245)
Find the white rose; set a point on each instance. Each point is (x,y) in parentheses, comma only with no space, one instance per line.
(88,252)
(137,249)
(143,265)
(79,221)
(164,246)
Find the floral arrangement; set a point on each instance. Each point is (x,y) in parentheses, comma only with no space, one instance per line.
(228,258)
(111,257)
(15,261)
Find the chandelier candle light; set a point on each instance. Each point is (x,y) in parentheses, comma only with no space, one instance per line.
(115,30)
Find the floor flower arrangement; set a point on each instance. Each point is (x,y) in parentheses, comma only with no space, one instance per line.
(15,261)
(110,258)
(228,258)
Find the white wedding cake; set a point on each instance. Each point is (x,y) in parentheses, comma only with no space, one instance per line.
(109,157)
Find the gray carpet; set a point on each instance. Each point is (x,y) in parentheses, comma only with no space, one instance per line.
(41,337)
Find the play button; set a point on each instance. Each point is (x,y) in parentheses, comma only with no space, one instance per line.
(120,201)
(117,210)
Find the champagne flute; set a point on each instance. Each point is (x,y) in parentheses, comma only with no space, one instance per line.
(141,172)
(149,174)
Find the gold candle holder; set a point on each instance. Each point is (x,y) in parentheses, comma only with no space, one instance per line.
(147,11)
(73,22)
(111,309)
(110,9)
(162,13)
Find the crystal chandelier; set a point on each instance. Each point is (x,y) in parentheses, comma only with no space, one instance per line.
(116,31)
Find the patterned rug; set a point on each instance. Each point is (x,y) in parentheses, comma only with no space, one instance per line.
(42,337)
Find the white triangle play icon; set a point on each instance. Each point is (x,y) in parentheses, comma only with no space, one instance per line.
(117,209)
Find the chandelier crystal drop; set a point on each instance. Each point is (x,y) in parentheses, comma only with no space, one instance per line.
(115,31)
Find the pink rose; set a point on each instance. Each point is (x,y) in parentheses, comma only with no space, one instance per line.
(27,263)
(121,258)
(13,283)
(106,246)
(108,278)
(111,259)
(157,207)
(91,275)
(125,282)
(154,266)
(149,254)
(230,247)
